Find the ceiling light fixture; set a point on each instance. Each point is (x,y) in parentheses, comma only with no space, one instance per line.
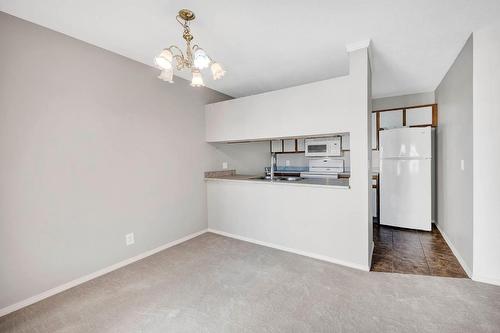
(194,60)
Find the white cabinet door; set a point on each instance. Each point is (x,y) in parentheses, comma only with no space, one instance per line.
(301,144)
(374,130)
(419,116)
(289,145)
(345,142)
(391,119)
(276,146)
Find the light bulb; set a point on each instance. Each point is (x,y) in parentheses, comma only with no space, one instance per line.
(167,75)
(164,59)
(197,80)
(217,71)
(201,59)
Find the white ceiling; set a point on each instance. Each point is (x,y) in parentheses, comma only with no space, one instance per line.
(268,45)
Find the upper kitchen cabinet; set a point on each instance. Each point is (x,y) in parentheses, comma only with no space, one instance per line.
(410,116)
(276,146)
(289,146)
(301,145)
(422,116)
(391,119)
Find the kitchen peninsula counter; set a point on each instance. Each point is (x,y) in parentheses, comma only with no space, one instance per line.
(316,217)
(341,183)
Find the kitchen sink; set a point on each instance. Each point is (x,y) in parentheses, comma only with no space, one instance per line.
(280,178)
(291,178)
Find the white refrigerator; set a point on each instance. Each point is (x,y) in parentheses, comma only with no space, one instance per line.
(407,177)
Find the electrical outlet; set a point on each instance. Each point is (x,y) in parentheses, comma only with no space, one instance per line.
(224,165)
(287,163)
(129,239)
(462,165)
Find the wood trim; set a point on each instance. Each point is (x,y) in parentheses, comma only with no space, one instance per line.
(406,107)
(435,115)
(423,125)
(289,152)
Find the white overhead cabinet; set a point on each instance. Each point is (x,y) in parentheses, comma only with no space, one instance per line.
(276,146)
(289,146)
(419,116)
(301,144)
(391,119)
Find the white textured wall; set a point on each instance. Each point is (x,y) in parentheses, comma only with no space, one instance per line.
(403,100)
(92,146)
(454,143)
(486,185)
(248,158)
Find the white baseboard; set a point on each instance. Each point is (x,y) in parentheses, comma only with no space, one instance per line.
(287,249)
(486,279)
(71,284)
(455,251)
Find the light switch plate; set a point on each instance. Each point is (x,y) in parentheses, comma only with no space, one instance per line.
(462,165)
(224,165)
(129,239)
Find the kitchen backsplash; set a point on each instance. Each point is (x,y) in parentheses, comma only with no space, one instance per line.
(297,160)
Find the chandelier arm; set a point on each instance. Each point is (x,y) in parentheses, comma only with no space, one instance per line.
(173,47)
(178,18)
(179,62)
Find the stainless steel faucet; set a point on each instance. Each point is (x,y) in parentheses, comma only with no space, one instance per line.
(273,164)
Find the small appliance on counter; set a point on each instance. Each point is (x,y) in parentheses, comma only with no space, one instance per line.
(324,168)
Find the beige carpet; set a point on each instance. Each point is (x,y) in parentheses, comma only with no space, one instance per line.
(217,284)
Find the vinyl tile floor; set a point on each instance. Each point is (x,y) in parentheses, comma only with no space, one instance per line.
(413,252)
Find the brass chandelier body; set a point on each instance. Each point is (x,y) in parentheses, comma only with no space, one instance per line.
(195,58)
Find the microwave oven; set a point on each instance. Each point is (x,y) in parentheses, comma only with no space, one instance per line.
(320,147)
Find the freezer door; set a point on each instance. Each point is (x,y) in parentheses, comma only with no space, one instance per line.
(406,143)
(405,193)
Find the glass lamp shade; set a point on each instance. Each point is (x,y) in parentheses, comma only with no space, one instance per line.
(197,80)
(164,59)
(167,75)
(217,71)
(201,59)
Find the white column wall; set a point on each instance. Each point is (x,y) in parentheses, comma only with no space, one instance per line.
(486,134)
